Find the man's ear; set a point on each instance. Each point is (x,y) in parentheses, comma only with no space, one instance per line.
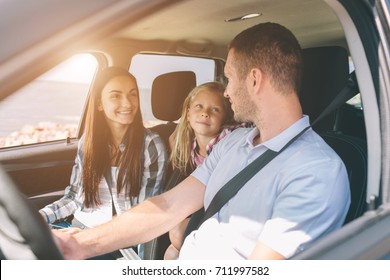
(255,77)
(100,107)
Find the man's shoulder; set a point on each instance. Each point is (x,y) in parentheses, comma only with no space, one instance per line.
(235,137)
(238,133)
(314,147)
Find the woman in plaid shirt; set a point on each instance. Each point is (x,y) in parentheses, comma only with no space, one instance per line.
(119,163)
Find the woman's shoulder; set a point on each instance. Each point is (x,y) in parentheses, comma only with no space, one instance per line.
(80,142)
(151,136)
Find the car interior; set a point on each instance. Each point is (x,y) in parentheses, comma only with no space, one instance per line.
(328,86)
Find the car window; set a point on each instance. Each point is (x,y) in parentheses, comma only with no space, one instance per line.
(49,108)
(146,67)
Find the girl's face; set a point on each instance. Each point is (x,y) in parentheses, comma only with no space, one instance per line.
(119,101)
(206,113)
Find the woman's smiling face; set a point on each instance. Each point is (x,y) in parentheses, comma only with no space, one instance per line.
(120,101)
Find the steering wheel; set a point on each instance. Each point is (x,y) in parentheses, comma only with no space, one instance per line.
(23,228)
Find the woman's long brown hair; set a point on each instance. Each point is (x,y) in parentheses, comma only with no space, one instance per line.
(96,159)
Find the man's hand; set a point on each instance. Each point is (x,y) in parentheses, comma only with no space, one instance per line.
(67,242)
(263,252)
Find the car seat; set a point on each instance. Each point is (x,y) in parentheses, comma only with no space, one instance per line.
(169,91)
(325,73)
(326,79)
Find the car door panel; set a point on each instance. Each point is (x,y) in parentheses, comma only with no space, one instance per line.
(41,170)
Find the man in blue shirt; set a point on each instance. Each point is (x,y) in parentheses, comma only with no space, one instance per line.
(300,196)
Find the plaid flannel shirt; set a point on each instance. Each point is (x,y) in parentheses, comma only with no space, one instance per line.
(155,161)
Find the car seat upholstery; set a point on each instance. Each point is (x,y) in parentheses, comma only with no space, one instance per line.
(325,77)
(353,152)
(325,73)
(350,120)
(169,91)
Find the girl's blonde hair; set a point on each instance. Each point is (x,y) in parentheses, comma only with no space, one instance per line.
(184,134)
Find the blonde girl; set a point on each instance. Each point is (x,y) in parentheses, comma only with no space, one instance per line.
(206,118)
(205,114)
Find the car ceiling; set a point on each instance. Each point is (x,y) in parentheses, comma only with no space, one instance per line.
(192,27)
(200,27)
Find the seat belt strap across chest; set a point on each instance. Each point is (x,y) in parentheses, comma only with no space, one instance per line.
(239,180)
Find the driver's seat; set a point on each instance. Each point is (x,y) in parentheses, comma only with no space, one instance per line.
(328,84)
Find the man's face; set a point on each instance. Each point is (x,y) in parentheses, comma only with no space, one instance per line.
(237,91)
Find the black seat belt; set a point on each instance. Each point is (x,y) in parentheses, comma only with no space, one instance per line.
(349,91)
(238,181)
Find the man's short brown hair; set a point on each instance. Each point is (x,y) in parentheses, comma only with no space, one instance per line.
(273,49)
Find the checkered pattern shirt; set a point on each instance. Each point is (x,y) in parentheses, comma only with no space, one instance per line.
(155,161)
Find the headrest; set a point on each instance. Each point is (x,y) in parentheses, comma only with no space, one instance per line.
(325,73)
(169,92)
